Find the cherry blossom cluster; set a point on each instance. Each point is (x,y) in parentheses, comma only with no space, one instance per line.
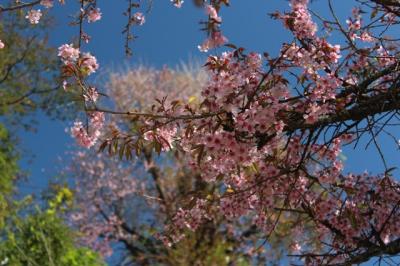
(137,87)
(262,170)
(139,18)
(316,55)
(299,20)
(100,183)
(87,136)
(94,15)
(86,64)
(354,25)
(215,38)
(186,219)
(47,3)
(68,53)
(249,138)
(34,16)
(71,57)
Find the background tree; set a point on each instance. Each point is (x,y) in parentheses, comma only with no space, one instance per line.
(31,231)
(129,202)
(29,73)
(8,172)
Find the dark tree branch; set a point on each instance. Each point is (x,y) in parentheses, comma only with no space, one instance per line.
(16,7)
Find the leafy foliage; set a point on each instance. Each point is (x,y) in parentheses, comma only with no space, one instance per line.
(41,237)
(31,235)
(8,171)
(29,76)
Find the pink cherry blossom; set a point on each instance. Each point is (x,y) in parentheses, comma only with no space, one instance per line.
(68,53)
(216,40)
(89,63)
(94,15)
(300,20)
(88,136)
(138,18)
(34,16)
(81,136)
(213,13)
(177,3)
(85,37)
(96,120)
(92,95)
(47,3)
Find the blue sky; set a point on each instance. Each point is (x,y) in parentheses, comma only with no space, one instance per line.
(169,36)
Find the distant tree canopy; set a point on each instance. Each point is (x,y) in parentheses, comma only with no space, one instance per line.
(29,73)
(32,231)
(8,172)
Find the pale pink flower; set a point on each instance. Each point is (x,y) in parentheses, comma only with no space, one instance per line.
(76,216)
(47,3)
(68,53)
(65,85)
(353,25)
(213,13)
(97,120)
(313,113)
(300,21)
(94,14)
(216,39)
(85,37)
(89,63)
(88,136)
(177,3)
(386,239)
(34,16)
(82,137)
(366,37)
(92,95)
(384,58)
(164,137)
(138,18)
(296,247)
(1,44)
